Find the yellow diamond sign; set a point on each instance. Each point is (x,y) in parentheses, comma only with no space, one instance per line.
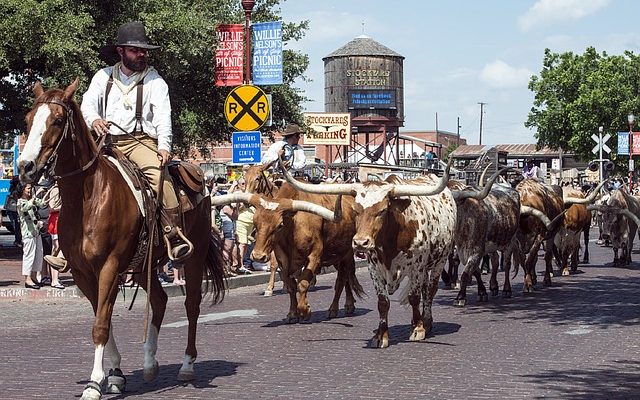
(246,108)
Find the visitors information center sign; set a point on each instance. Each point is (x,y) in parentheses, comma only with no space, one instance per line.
(328,128)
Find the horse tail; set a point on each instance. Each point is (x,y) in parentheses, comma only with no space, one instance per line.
(215,280)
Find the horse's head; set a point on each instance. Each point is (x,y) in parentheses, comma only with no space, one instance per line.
(47,123)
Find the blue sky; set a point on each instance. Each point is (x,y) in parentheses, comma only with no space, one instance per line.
(458,53)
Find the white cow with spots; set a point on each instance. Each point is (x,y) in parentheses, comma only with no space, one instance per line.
(406,229)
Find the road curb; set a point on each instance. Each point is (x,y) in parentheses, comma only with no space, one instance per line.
(257,278)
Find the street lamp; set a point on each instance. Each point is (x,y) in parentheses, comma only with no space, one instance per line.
(247,6)
(631,120)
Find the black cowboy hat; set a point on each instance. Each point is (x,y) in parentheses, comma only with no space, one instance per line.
(130,34)
(292,129)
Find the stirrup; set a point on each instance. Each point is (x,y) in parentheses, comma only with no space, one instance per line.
(181,248)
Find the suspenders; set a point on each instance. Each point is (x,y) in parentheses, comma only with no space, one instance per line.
(138,103)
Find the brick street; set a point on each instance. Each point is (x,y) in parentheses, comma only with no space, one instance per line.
(579,339)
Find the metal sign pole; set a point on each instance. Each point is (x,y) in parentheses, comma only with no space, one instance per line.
(247,6)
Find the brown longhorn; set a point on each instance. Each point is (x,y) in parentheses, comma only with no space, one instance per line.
(549,224)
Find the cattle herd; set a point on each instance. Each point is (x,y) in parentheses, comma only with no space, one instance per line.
(409,229)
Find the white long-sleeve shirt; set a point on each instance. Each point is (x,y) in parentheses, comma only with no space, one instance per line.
(298,161)
(156,107)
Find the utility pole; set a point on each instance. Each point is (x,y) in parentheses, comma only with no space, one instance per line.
(481,115)
(459,131)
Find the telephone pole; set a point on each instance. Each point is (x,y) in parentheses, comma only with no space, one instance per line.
(459,131)
(481,114)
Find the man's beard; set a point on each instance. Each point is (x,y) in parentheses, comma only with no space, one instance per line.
(137,64)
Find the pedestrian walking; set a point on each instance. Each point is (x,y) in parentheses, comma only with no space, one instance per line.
(32,254)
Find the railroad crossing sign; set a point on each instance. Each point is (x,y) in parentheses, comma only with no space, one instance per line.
(601,143)
(246,108)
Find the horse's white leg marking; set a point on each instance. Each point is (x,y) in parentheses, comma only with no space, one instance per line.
(186,371)
(97,375)
(34,141)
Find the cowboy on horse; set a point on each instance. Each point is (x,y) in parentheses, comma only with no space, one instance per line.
(130,102)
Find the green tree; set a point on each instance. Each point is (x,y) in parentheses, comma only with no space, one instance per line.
(56,40)
(575,94)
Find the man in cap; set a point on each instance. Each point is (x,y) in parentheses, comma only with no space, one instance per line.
(132,95)
(288,149)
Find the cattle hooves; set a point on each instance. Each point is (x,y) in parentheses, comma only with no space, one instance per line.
(185,376)
(457,286)
(332,313)
(494,292)
(565,272)
(268,292)
(349,309)
(379,343)
(150,374)
(447,286)
(527,289)
(483,297)
(417,334)
(459,302)
(506,295)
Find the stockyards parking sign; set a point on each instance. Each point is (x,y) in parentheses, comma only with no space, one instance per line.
(328,128)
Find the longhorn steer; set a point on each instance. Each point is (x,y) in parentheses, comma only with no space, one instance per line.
(577,219)
(406,230)
(615,227)
(306,239)
(485,226)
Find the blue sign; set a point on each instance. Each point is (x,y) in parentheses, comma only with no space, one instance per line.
(4,190)
(247,147)
(369,98)
(623,143)
(267,53)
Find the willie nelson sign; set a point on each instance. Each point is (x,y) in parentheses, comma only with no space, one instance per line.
(328,128)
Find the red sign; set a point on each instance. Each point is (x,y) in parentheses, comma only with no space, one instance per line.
(635,148)
(229,54)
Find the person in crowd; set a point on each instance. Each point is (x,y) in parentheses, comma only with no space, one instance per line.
(244,228)
(531,171)
(11,207)
(32,254)
(288,149)
(132,95)
(228,217)
(56,259)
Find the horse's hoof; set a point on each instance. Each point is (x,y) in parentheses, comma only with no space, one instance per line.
(457,286)
(93,391)
(417,334)
(483,297)
(565,272)
(115,382)
(349,309)
(268,292)
(150,374)
(459,302)
(380,343)
(527,289)
(185,376)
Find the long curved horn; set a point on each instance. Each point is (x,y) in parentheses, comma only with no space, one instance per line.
(333,216)
(549,224)
(630,215)
(333,188)
(238,197)
(589,199)
(423,190)
(483,174)
(459,195)
(597,207)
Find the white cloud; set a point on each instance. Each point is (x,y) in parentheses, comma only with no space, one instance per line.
(499,74)
(545,12)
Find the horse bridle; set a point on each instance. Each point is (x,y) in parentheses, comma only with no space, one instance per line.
(69,126)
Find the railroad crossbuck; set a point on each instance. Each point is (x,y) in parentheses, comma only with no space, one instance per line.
(246,108)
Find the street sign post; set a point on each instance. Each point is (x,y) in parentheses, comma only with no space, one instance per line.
(246,108)
(600,147)
(246,147)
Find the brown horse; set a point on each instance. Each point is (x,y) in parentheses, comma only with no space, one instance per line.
(99,230)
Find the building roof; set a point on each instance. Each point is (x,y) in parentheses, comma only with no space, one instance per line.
(363,46)
(514,150)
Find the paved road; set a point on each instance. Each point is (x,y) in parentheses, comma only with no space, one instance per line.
(579,339)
